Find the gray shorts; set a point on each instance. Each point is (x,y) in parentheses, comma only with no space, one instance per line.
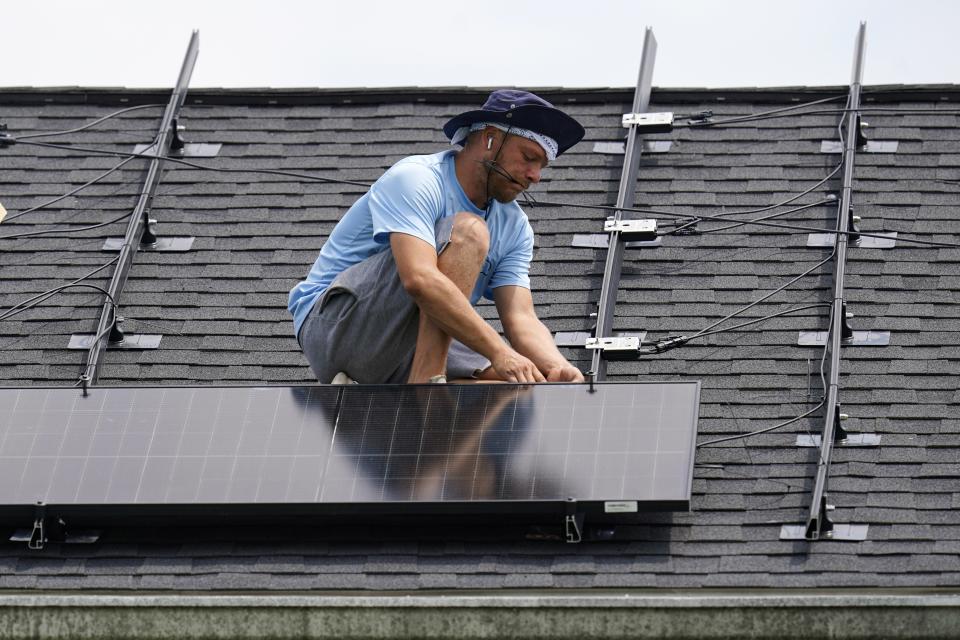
(365,324)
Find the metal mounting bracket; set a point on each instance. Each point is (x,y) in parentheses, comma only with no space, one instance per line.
(5,139)
(649,122)
(841,437)
(839,532)
(573,523)
(131,341)
(580,338)
(872,146)
(852,227)
(616,348)
(822,528)
(46,529)
(189,150)
(860,339)
(851,440)
(620,148)
(171,245)
(861,134)
(889,241)
(632,229)
(602,241)
(38,537)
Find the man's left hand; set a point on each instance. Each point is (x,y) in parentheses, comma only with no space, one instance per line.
(564,373)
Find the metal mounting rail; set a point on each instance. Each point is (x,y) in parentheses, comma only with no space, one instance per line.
(818,524)
(139,222)
(625,198)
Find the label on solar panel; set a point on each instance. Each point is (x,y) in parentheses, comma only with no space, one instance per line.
(622,443)
(622,506)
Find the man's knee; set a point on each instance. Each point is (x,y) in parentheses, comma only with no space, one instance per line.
(470,231)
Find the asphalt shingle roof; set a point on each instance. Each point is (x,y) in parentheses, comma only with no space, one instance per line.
(222,311)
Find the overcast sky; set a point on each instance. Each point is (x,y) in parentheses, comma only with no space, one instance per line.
(536,43)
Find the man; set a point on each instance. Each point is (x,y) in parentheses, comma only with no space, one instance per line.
(390,297)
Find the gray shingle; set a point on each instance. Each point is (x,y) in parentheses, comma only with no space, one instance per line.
(221,309)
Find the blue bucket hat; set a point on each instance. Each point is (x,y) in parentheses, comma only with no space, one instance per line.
(513,107)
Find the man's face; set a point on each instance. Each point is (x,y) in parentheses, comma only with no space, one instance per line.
(524,160)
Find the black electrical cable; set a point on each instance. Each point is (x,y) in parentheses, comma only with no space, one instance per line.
(24,306)
(767,296)
(791,227)
(679,216)
(768,217)
(823,358)
(774,116)
(780,425)
(778,110)
(758,432)
(755,118)
(29,234)
(41,297)
(797,196)
(89,124)
(38,299)
(73,191)
(704,334)
(195,165)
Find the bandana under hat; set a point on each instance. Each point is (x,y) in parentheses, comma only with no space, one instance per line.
(548,144)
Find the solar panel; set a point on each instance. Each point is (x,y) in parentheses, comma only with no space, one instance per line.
(327,447)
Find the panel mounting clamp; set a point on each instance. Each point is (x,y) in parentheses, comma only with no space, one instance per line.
(51,529)
(649,122)
(632,229)
(616,348)
(581,338)
(573,522)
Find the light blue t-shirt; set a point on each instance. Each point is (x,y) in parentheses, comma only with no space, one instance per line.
(411,197)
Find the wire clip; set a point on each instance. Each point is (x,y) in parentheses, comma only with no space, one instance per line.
(687,227)
(5,139)
(700,118)
(664,344)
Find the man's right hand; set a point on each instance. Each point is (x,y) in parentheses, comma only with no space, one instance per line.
(513,367)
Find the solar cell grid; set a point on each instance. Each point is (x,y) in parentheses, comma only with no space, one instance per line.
(350,444)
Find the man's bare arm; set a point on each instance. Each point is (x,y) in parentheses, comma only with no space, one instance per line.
(446,305)
(529,336)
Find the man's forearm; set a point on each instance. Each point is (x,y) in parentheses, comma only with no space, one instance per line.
(535,341)
(447,307)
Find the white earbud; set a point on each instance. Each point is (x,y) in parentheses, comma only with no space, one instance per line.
(489,143)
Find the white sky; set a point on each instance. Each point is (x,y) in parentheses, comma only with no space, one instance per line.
(535,43)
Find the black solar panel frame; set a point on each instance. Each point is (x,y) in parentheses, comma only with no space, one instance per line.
(299,513)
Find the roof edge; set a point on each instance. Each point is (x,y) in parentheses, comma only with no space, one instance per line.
(576,615)
(319,96)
